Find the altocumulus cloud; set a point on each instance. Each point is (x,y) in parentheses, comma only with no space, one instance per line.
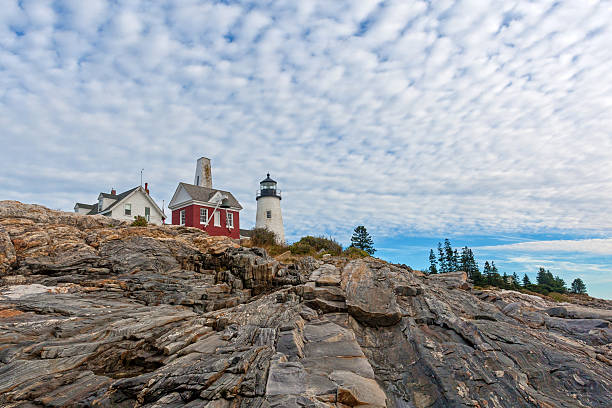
(414,116)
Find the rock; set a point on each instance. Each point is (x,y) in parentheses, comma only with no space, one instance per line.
(354,390)
(95,313)
(369,300)
(326,275)
(452,280)
(7,252)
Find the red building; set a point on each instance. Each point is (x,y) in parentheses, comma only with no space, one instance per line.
(199,205)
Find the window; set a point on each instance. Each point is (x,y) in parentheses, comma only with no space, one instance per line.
(182,217)
(100,203)
(217,219)
(128,209)
(269,214)
(230,219)
(204,216)
(148,213)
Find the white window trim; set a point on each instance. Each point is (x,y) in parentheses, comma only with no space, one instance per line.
(229,216)
(204,218)
(217,219)
(127,207)
(148,217)
(182,217)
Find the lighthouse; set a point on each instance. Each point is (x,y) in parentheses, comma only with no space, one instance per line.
(268,208)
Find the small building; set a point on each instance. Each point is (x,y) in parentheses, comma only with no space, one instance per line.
(125,206)
(199,205)
(269,214)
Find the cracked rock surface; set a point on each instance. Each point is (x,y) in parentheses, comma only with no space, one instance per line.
(94,313)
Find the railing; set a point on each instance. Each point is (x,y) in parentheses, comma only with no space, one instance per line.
(268,193)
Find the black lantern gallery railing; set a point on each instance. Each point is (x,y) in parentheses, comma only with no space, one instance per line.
(268,193)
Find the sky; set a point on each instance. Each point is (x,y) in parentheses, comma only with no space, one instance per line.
(487,122)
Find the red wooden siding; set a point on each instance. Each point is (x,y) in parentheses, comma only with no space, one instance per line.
(192,219)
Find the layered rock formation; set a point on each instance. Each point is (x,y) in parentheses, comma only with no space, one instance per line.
(94,313)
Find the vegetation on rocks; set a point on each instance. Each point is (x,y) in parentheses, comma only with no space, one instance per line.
(263,237)
(354,253)
(139,221)
(310,245)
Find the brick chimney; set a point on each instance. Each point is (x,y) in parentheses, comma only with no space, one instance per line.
(203,175)
(147,187)
(113,191)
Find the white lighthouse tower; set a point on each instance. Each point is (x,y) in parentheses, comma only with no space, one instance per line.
(268,208)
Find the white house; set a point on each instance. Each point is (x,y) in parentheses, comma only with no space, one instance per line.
(125,206)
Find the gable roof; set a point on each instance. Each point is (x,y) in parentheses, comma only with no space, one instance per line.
(118,198)
(204,194)
(87,206)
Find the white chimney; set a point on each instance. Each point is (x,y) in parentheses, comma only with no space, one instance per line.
(203,174)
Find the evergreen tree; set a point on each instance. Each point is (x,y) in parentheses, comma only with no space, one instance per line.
(464,261)
(448,255)
(432,261)
(559,285)
(488,274)
(442,259)
(526,281)
(455,260)
(515,281)
(544,277)
(496,279)
(578,286)
(473,266)
(362,240)
(505,283)
(493,268)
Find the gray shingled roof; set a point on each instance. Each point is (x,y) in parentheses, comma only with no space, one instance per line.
(116,197)
(119,197)
(90,206)
(204,194)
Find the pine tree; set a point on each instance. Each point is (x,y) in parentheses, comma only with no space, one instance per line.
(545,278)
(526,281)
(559,285)
(505,283)
(362,240)
(455,260)
(464,261)
(488,273)
(448,255)
(578,286)
(442,259)
(515,281)
(432,261)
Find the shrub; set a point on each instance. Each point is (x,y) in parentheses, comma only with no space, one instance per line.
(139,221)
(301,248)
(354,253)
(320,244)
(263,237)
(558,297)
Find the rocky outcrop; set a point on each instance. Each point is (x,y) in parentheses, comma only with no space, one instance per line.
(94,313)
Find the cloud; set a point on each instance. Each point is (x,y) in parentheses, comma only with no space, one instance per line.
(598,246)
(419,117)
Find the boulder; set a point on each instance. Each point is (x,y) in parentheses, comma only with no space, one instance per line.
(355,390)
(452,280)
(369,300)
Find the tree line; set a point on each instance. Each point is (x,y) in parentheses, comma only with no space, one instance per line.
(448,259)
